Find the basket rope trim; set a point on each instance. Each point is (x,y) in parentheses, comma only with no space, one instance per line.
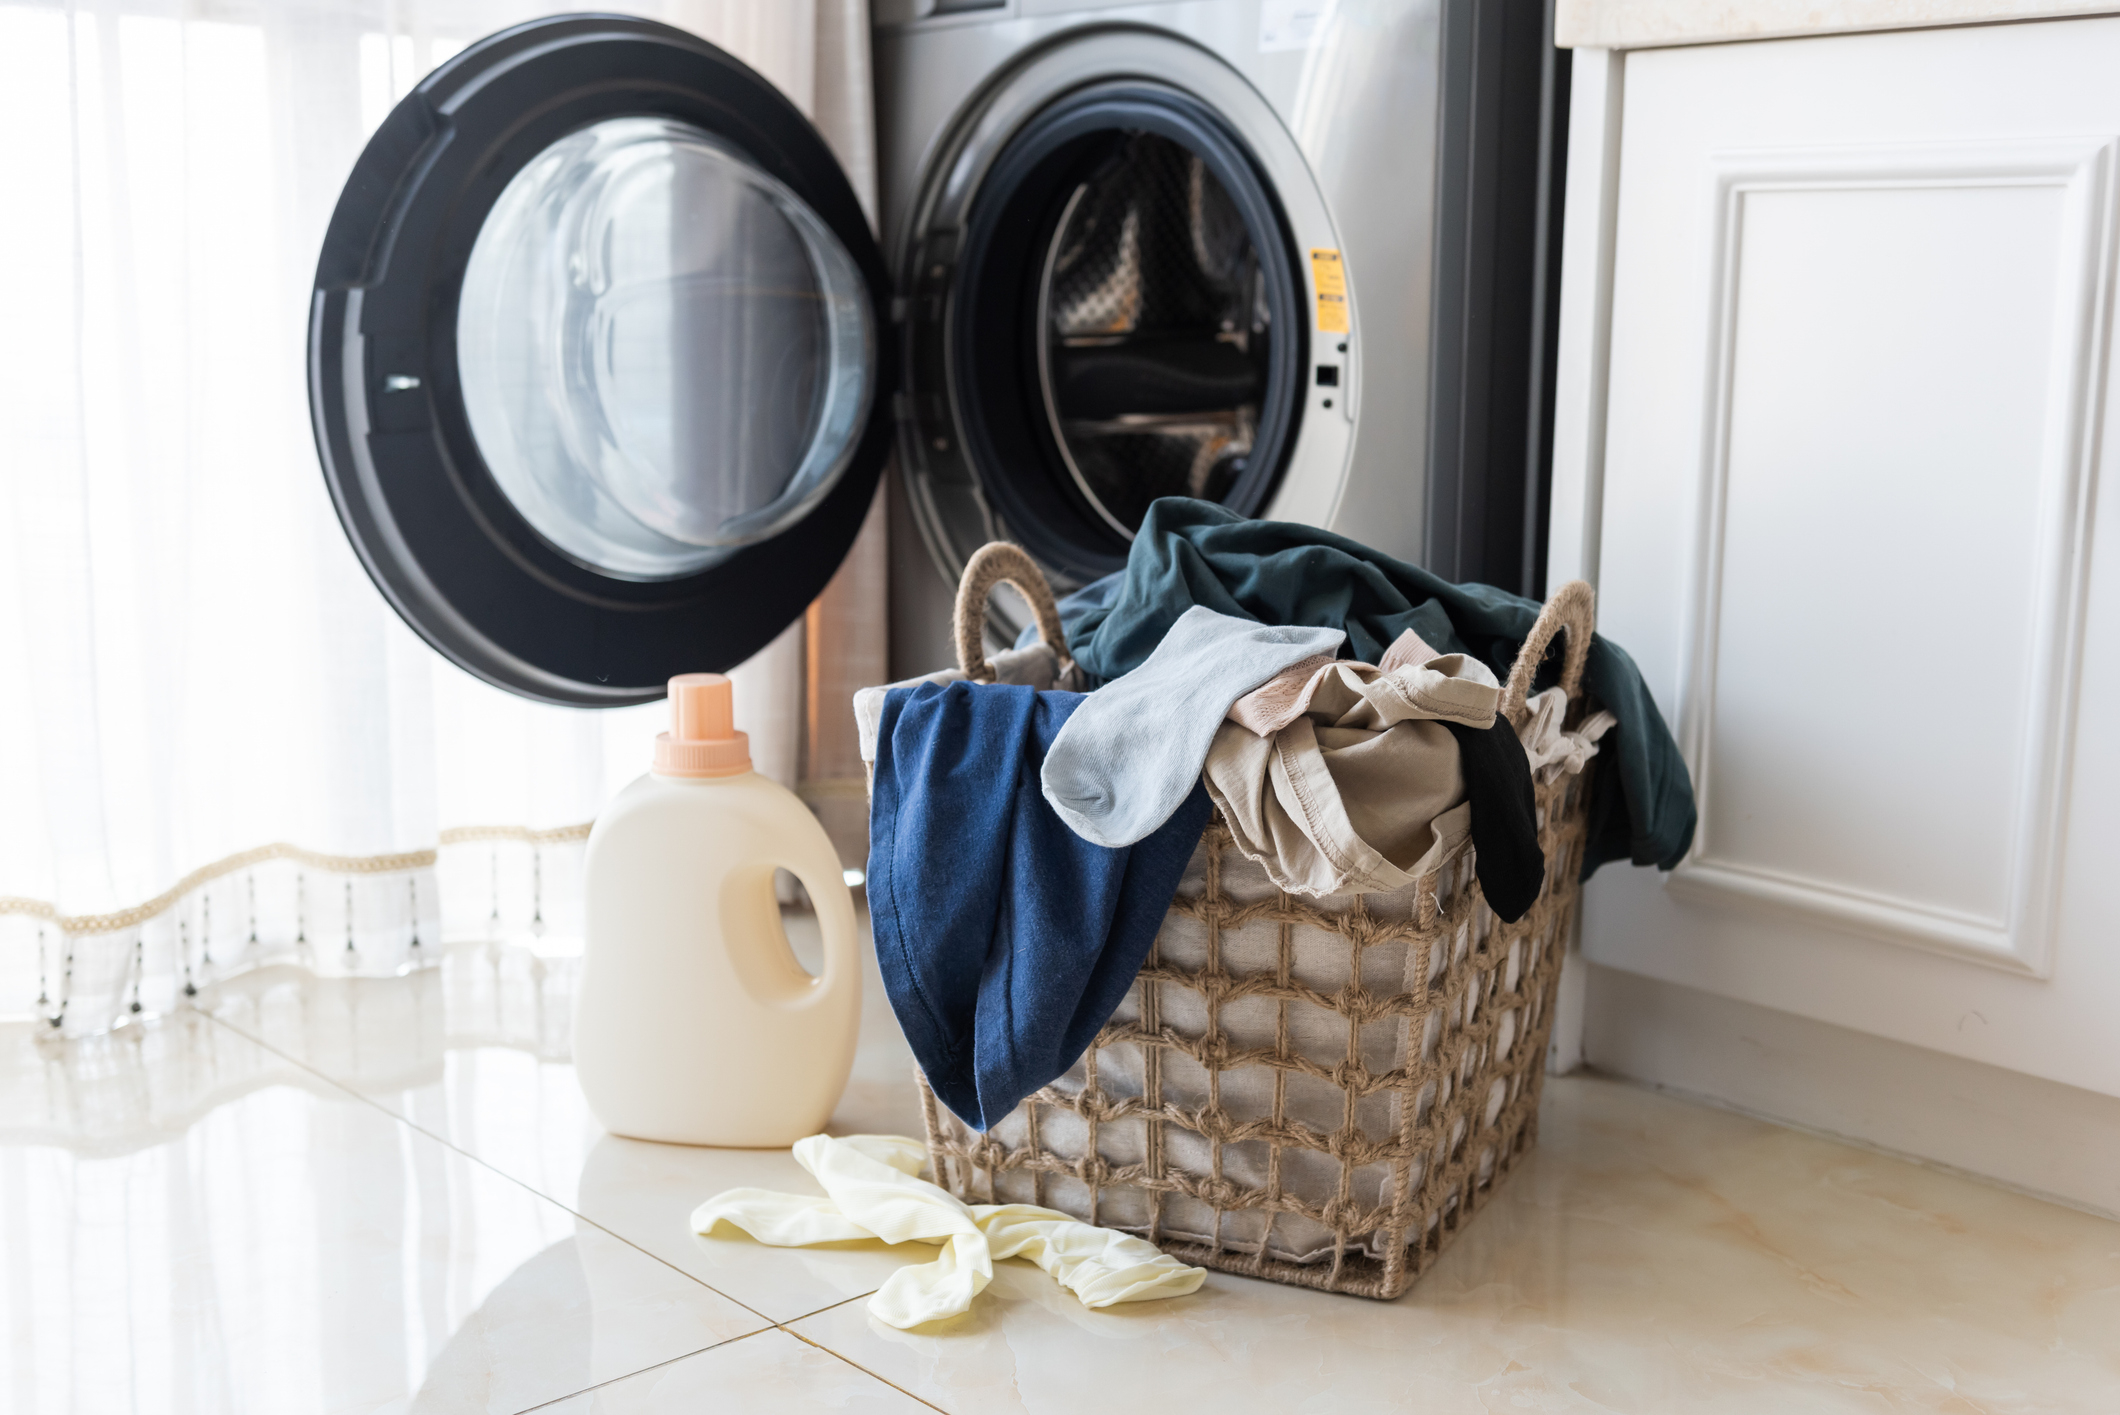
(999,563)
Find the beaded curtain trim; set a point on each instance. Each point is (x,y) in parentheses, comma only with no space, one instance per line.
(327,864)
(336,915)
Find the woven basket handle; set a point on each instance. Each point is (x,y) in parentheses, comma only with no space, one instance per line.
(995,563)
(1572,607)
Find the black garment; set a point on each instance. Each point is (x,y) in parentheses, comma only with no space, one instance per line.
(1508,861)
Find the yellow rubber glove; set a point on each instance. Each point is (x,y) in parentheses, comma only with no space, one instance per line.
(873,1189)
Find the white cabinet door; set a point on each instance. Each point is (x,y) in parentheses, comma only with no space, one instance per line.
(1852,530)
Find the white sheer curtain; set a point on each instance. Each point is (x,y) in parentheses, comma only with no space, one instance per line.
(192,663)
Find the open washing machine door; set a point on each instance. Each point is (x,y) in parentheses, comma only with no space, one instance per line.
(596,360)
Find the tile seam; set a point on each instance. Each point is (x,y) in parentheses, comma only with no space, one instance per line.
(652,1366)
(827,1307)
(842,1356)
(446,1143)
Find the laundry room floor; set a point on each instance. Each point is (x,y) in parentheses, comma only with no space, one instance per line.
(387,1195)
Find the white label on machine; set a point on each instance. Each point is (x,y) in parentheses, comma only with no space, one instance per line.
(1292,24)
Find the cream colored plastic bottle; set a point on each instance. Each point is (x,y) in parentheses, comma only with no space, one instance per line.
(693,1021)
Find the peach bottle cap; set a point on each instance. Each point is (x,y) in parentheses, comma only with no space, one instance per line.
(702,740)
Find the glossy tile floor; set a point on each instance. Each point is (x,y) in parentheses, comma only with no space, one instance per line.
(385,1196)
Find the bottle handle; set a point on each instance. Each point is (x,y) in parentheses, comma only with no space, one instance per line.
(836,920)
(772,975)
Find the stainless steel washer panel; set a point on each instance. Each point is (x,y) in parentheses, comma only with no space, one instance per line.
(1360,106)
(1347,128)
(1054,58)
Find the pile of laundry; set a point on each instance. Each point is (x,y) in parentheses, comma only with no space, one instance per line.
(1339,708)
(1336,705)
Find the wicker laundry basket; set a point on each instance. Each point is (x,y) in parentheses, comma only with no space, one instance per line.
(1312,1091)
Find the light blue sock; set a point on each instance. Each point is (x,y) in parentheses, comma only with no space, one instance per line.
(1135,747)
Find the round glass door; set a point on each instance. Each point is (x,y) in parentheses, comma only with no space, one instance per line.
(596,361)
(665,355)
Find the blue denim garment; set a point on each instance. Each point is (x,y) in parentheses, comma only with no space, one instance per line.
(1005,939)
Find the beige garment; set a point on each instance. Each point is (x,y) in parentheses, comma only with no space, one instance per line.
(1407,649)
(1414,676)
(1358,787)
(1281,699)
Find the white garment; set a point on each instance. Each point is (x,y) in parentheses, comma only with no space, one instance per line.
(873,1190)
(1125,761)
(1553,751)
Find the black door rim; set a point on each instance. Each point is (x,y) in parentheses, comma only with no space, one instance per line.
(449,551)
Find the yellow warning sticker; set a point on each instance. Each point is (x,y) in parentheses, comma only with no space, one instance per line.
(1330,277)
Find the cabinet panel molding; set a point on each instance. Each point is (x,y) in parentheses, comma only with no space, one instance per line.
(2007,922)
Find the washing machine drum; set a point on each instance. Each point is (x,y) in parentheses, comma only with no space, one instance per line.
(1125,323)
(596,365)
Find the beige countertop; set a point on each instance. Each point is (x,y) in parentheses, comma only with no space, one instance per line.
(1644,24)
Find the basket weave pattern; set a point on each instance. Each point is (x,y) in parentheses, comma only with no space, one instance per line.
(1429,1121)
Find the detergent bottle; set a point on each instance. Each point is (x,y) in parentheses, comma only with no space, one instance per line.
(693,1020)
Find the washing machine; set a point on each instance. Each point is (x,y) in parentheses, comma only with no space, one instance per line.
(606,362)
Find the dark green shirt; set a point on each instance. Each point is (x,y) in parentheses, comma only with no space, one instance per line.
(1277,572)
